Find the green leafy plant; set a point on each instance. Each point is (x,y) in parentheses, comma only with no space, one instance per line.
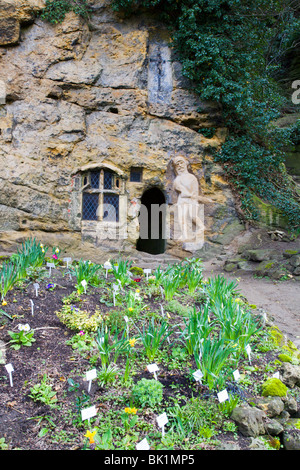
(107,374)
(197,327)
(43,392)
(212,358)
(121,271)
(8,277)
(147,393)
(196,415)
(77,319)
(84,271)
(56,10)
(153,337)
(110,346)
(21,338)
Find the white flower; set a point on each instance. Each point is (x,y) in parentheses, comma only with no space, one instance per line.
(24,327)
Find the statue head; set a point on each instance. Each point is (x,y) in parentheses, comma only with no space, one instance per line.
(180,164)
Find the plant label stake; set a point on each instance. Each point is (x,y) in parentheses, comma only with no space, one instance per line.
(248,351)
(107,266)
(32,305)
(162,420)
(236,375)
(50,266)
(115,290)
(161,291)
(143,445)
(147,272)
(84,284)
(276,375)
(223,396)
(162,310)
(90,375)
(67,260)
(88,413)
(198,376)
(127,327)
(9,368)
(36,287)
(153,368)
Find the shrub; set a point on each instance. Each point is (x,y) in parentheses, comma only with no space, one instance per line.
(147,393)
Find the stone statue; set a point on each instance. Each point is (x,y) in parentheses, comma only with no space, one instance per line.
(188,223)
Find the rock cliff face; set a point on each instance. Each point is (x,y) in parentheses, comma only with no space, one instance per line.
(108,97)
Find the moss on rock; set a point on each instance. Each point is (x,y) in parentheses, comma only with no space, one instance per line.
(273,387)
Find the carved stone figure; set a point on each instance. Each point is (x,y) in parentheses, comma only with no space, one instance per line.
(188,223)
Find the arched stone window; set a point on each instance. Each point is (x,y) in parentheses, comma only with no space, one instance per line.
(101,190)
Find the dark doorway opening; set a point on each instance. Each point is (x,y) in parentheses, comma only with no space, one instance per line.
(152,219)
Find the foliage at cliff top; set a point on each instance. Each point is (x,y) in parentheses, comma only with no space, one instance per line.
(232,51)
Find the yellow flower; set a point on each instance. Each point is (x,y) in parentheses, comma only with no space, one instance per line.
(132,342)
(131,411)
(90,435)
(130,309)
(57,250)
(137,291)
(41,245)
(4,302)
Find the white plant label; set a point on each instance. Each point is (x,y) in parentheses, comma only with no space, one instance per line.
(198,375)
(161,291)
(127,326)
(107,266)
(91,375)
(9,368)
(143,445)
(67,260)
(84,284)
(276,375)
(88,413)
(236,375)
(147,272)
(50,266)
(153,368)
(115,290)
(248,351)
(223,396)
(36,287)
(162,420)
(162,310)
(32,305)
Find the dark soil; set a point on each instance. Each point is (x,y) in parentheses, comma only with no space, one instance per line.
(30,425)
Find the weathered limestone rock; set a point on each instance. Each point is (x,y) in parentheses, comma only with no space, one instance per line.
(111,98)
(273,427)
(290,374)
(291,435)
(272,406)
(250,420)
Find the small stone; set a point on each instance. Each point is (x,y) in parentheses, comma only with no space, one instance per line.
(273,427)
(290,405)
(295,260)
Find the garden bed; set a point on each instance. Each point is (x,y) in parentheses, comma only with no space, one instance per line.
(77,329)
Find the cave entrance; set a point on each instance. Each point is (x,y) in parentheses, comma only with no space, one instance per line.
(152,220)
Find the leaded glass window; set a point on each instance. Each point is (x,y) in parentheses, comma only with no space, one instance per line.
(100,197)
(111,207)
(90,202)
